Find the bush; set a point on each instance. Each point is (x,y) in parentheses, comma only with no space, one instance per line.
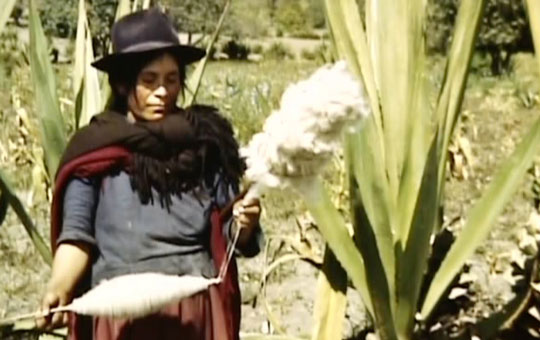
(321,54)
(235,50)
(504,30)
(278,51)
(257,48)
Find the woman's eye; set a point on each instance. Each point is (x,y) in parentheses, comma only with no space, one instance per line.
(172,80)
(148,79)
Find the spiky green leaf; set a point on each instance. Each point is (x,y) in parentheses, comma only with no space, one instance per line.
(482,216)
(195,79)
(331,299)
(52,126)
(533,8)
(5,12)
(85,77)
(14,201)
(455,76)
(335,232)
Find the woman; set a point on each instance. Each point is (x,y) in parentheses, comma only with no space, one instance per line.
(140,188)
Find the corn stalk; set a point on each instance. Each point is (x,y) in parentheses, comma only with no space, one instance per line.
(397,161)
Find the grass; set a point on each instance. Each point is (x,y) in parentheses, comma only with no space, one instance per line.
(498,111)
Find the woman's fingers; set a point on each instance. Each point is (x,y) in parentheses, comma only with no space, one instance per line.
(54,320)
(49,301)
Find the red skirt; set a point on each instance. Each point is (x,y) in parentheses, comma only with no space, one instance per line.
(211,315)
(200,317)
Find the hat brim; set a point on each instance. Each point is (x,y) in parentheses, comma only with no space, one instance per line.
(185,54)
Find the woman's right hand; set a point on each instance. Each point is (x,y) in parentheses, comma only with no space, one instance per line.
(52,299)
(70,263)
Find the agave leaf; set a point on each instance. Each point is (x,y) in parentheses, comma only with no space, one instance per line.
(375,245)
(349,38)
(52,127)
(267,337)
(533,6)
(16,204)
(331,300)
(455,75)
(124,8)
(4,205)
(194,80)
(147,4)
(5,12)
(85,79)
(368,172)
(350,41)
(413,261)
(135,6)
(332,226)
(418,121)
(482,216)
(392,55)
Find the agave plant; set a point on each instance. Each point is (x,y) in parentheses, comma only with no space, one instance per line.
(397,162)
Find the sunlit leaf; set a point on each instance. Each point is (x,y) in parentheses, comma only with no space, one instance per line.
(52,126)
(533,8)
(5,12)
(147,4)
(482,216)
(248,336)
(331,300)
(194,80)
(124,8)
(85,77)
(332,226)
(455,76)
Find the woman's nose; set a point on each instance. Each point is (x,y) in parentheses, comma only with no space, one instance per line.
(161,91)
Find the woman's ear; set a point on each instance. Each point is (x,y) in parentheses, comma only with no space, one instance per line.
(121,89)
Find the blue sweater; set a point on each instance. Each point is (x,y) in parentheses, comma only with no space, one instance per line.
(129,237)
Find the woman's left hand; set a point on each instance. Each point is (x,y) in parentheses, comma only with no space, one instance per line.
(246,214)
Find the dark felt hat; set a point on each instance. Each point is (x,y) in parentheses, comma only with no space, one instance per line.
(142,32)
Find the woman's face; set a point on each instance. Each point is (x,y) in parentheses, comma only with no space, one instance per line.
(156,89)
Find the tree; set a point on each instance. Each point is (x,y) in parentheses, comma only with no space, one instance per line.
(59,17)
(194,16)
(504,30)
(101,15)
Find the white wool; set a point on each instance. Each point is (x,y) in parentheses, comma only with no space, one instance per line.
(138,295)
(298,139)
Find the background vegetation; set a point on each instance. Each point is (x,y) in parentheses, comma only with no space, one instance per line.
(501,101)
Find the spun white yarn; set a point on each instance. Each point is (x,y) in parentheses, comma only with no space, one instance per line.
(138,295)
(298,139)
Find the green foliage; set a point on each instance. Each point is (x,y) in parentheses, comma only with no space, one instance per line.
(194,16)
(291,18)
(235,50)
(101,15)
(278,51)
(248,19)
(504,30)
(59,17)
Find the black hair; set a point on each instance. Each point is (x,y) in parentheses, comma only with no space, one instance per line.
(125,75)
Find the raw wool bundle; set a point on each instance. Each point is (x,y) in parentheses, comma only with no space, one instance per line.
(299,138)
(138,295)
